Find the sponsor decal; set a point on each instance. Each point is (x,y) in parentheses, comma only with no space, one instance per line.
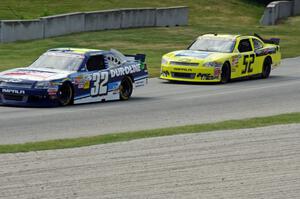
(112,61)
(63,54)
(235,61)
(12,91)
(196,54)
(266,51)
(114,86)
(52,91)
(217,72)
(86,85)
(41,74)
(140,83)
(83,81)
(125,70)
(13,80)
(183,69)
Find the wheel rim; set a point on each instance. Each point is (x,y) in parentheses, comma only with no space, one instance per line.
(65,95)
(125,89)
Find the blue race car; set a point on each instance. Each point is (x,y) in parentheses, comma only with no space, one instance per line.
(66,76)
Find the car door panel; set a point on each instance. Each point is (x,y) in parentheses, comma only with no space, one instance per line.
(247,64)
(259,53)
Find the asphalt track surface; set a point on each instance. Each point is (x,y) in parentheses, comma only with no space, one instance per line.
(160,104)
(248,163)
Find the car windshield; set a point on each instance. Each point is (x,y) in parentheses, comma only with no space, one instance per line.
(223,45)
(60,61)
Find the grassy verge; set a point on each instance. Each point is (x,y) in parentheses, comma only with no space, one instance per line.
(127,136)
(231,16)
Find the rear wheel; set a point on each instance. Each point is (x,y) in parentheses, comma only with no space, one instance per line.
(225,74)
(266,69)
(65,94)
(126,88)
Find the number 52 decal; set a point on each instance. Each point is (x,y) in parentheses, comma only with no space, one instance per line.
(99,87)
(248,63)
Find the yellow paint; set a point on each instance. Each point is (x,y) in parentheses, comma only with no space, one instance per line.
(235,59)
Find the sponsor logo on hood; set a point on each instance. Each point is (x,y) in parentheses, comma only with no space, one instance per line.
(190,53)
(13,80)
(41,74)
(33,75)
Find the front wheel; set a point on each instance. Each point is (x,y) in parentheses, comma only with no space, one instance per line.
(225,74)
(126,88)
(65,94)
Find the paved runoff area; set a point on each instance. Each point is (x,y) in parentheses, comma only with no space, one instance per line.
(248,163)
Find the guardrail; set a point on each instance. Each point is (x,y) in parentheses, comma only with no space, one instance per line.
(277,10)
(51,26)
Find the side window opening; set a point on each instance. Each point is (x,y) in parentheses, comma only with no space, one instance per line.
(95,62)
(257,44)
(245,46)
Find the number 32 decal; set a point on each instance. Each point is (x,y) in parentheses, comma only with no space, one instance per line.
(248,63)
(100,80)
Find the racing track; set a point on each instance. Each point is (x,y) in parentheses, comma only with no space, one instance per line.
(160,104)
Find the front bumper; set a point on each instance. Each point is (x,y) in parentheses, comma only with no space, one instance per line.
(190,74)
(27,97)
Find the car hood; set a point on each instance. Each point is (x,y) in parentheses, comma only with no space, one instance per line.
(34,74)
(193,56)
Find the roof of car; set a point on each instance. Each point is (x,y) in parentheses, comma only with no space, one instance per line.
(225,36)
(82,51)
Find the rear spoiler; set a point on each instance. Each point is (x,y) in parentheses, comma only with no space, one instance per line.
(138,57)
(275,41)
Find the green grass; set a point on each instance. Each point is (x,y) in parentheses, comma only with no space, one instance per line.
(119,137)
(29,9)
(231,16)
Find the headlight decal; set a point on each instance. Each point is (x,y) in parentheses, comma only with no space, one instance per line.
(213,64)
(46,85)
(42,85)
(164,61)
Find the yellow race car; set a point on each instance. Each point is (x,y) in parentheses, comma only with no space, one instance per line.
(221,58)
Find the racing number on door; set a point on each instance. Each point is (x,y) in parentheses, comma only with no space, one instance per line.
(100,84)
(248,62)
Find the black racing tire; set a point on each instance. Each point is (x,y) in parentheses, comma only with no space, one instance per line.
(126,88)
(266,71)
(65,94)
(225,73)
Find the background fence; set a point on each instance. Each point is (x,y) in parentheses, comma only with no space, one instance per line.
(279,10)
(14,30)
